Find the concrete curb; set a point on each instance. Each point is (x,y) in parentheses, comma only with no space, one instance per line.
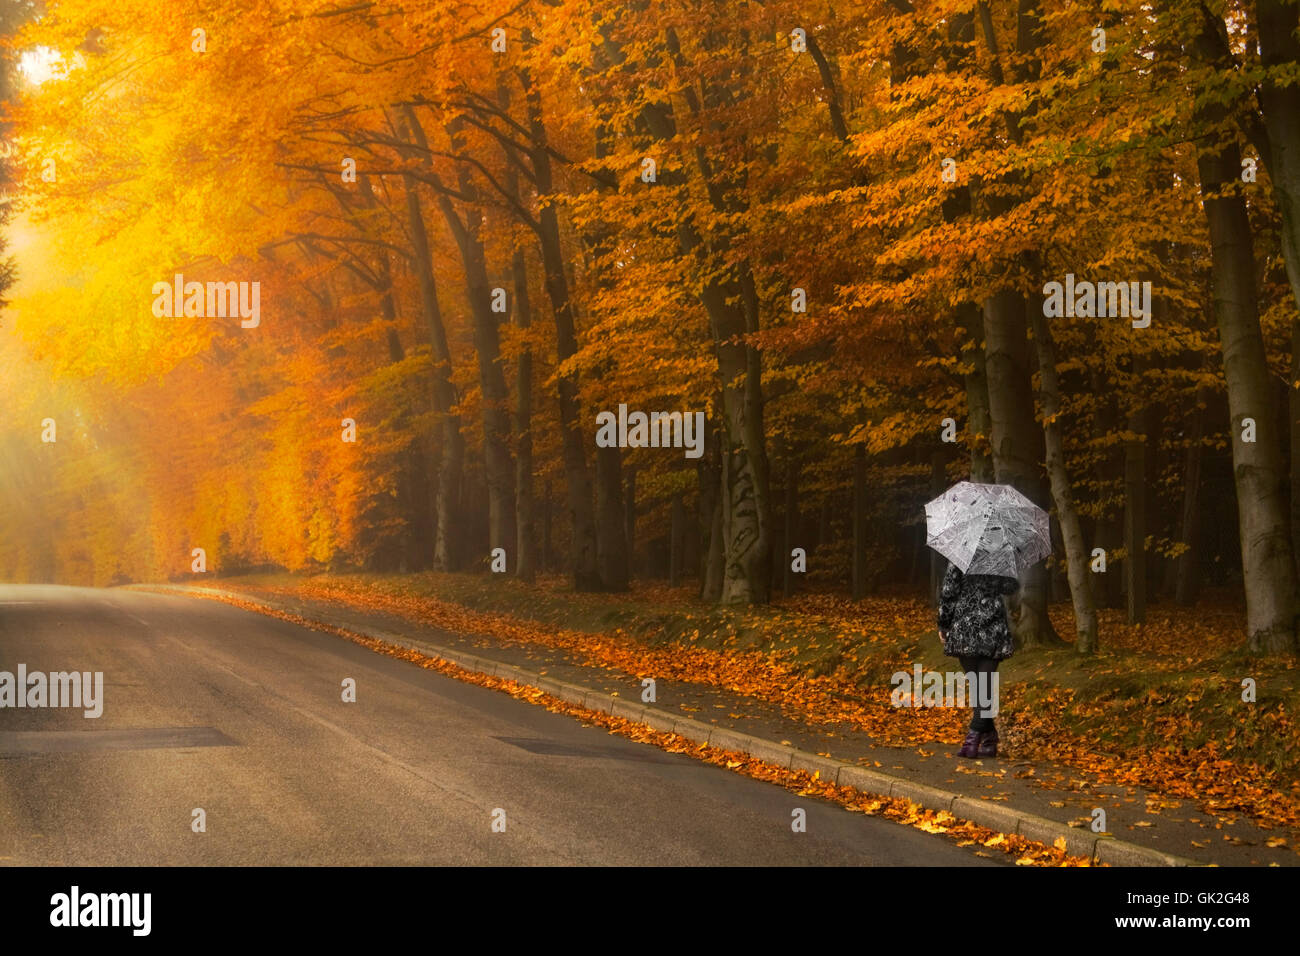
(1100,847)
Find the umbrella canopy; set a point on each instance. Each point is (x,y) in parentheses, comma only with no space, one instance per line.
(987,529)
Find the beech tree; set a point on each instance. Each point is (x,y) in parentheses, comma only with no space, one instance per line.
(829,228)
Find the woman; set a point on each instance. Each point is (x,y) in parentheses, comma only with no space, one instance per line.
(974,628)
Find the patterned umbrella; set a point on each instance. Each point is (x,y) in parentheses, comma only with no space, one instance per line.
(987,529)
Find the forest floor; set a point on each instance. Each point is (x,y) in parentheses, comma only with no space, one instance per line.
(1159,709)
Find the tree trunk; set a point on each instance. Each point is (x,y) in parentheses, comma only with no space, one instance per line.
(920,569)
(956,204)
(824,523)
(584,562)
(709,470)
(1293,409)
(1268,564)
(525,548)
(791,525)
(1281,108)
(525,538)
(859,522)
(676,529)
(1109,531)
(731,302)
(629,521)
(1017,445)
(447,537)
(413,475)
(1016,440)
(712,590)
(611,541)
(498,464)
(1279,50)
(1157,462)
(546,528)
(1135,518)
(744,489)
(1076,549)
(938,484)
(1188,562)
(979,423)
(613,547)
(1057,577)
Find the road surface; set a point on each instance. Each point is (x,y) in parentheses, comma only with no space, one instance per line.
(210,707)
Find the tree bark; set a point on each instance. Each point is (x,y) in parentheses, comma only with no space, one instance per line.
(712,589)
(1076,549)
(744,489)
(938,484)
(629,521)
(824,523)
(1188,562)
(1268,564)
(979,422)
(525,537)
(1135,518)
(1016,439)
(546,528)
(859,583)
(447,537)
(791,525)
(525,547)
(1293,410)
(1279,50)
(676,530)
(611,541)
(731,302)
(958,203)
(413,473)
(1280,104)
(583,562)
(1107,472)
(613,547)
(710,480)
(498,464)
(1017,445)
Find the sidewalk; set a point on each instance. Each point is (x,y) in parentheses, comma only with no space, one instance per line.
(1039,801)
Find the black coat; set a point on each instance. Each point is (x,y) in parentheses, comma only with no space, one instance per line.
(972,617)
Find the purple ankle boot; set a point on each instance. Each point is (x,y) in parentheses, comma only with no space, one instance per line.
(987,746)
(970,744)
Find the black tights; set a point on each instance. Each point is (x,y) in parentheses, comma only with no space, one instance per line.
(974,666)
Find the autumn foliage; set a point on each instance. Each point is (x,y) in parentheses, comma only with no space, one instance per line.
(826,225)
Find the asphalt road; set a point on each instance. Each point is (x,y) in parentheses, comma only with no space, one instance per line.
(208,706)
